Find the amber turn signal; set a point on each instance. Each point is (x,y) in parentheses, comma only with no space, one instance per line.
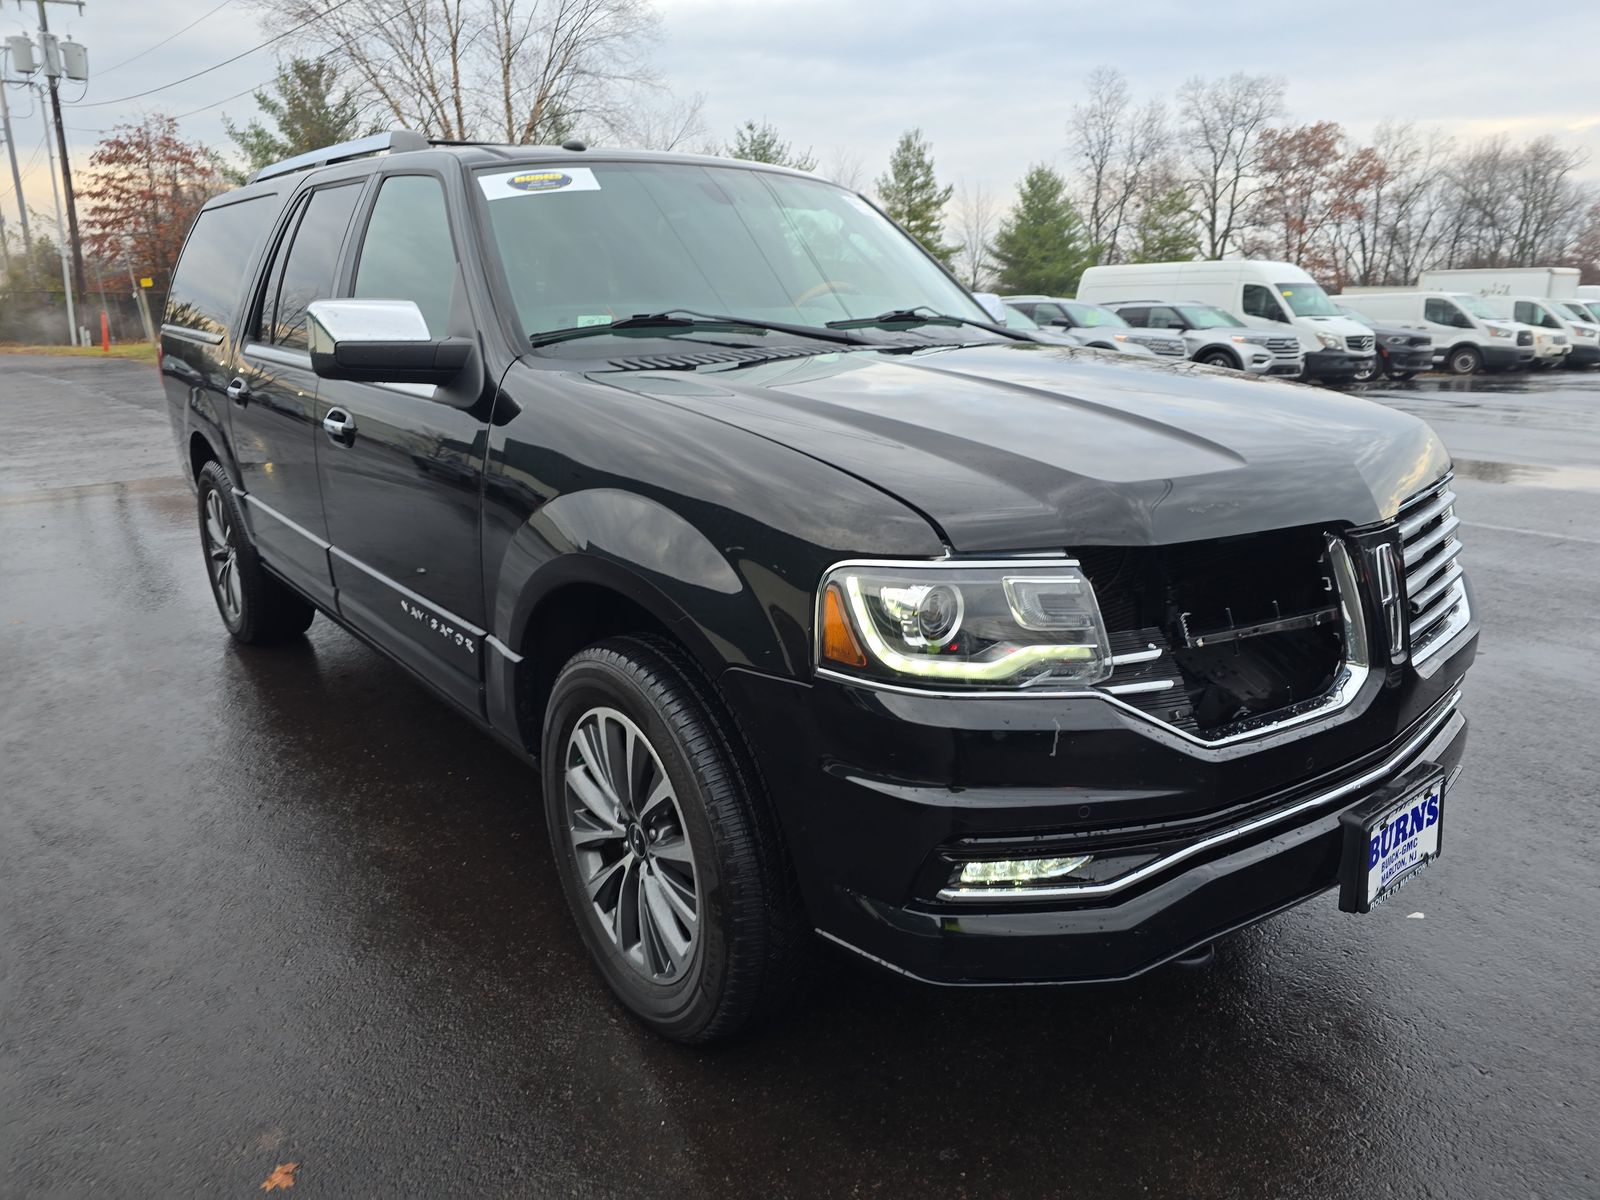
(838,639)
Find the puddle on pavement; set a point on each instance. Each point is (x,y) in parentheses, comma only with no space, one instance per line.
(1568,478)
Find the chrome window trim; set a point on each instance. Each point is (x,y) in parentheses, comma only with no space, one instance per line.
(1352,677)
(278,356)
(202,337)
(1431,726)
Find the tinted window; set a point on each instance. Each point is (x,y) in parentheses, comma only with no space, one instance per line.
(1136,316)
(211,270)
(308,272)
(1045,313)
(1260,302)
(406,253)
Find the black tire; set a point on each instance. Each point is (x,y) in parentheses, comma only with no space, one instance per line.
(750,949)
(1368,373)
(1463,360)
(257,609)
(1219,358)
(1402,376)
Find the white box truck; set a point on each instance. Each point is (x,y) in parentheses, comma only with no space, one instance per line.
(1466,336)
(1264,295)
(1547,283)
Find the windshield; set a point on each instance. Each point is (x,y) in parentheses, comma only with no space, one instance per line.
(588,246)
(1092,316)
(1577,311)
(1473,305)
(1017,319)
(1203,316)
(1594,309)
(1307,300)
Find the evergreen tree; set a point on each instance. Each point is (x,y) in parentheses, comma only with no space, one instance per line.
(761,143)
(1165,230)
(309,112)
(910,193)
(1042,246)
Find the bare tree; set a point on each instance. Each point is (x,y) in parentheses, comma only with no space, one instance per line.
(1514,205)
(662,122)
(1123,150)
(976,215)
(846,169)
(511,70)
(1222,122)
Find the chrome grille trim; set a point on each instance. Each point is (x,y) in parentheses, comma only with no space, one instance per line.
(1360,345)
(1436,589)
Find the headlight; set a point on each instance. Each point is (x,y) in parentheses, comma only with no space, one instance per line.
(1330,341)
(1583,333)
(1495,331)
(988,625)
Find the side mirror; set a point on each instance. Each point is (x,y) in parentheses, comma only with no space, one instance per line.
(993,305)
(381,341)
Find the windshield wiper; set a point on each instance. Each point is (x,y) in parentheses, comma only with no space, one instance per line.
(683,319)
(922,315)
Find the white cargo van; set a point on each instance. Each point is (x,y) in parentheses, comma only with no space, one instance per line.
(1578,341)
(1466,338)
(1546,283)
(1264,295)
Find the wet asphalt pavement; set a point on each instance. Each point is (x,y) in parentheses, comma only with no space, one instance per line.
(260,907)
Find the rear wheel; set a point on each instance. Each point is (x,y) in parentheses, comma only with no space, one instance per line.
(256,608)
(1464,360)
(1219,358)
(668,855)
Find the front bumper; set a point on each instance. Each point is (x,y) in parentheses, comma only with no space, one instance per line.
(1409,359)
(1499,358)
(1333,364)
(1583,355)
(881,794)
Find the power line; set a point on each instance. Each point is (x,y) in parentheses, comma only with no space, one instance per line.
(107,70)
(217,66)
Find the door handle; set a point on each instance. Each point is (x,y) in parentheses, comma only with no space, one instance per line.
(238,390)
(340,426)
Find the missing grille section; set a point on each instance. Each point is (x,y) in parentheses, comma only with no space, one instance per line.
(1248,626)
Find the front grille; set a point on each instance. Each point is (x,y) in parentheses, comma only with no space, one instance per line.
(1172,347)
(1360,345)
(1436,592)
(1284,347)
(1524,337)
(1558,340)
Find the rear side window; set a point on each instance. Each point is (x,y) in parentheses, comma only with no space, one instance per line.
(1139,317)
(211,270)
(308,271)
(406,253)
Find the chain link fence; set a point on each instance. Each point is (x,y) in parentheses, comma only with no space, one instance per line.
(40,317)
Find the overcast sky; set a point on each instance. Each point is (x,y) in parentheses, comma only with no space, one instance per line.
(992,84)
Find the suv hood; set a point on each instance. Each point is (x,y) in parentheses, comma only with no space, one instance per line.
(1025,446)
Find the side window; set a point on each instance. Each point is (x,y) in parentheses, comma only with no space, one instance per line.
(211,269)
(1163,318)
(1045,313)
(1260,302)
(406,253)
(308,271)
(1135,316)
(1442,312)
(261,324)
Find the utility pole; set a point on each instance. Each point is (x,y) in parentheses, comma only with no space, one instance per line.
(66,271)
(11,145)
(49,47)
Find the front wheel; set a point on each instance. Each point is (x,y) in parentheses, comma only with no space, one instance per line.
(256,608)
(1464,360)
(1219,358)
(1367,371)
(668,856)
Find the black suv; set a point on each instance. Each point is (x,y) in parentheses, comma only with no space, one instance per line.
(822,605)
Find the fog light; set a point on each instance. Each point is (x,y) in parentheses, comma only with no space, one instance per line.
(1022,870)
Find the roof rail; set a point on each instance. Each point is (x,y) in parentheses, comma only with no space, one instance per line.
(394,141)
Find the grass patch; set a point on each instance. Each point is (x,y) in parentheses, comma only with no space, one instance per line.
(144,352)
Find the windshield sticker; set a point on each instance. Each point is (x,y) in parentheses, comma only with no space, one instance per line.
(538,182)
(595,319)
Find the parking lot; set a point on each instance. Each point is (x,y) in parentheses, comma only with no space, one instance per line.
(282,905)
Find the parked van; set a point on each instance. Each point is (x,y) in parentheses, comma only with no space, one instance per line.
(1549,283)
(1264,295)
(1466,339)
(1581,337)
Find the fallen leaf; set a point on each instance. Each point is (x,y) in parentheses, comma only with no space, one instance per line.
(282,1177)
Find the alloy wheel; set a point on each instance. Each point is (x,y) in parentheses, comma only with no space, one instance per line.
(630,844)
(222,557)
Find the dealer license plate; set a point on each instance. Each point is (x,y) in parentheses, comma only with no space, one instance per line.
(1388,840)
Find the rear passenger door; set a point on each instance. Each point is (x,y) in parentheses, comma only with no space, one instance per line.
(401,477)
(273,392)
